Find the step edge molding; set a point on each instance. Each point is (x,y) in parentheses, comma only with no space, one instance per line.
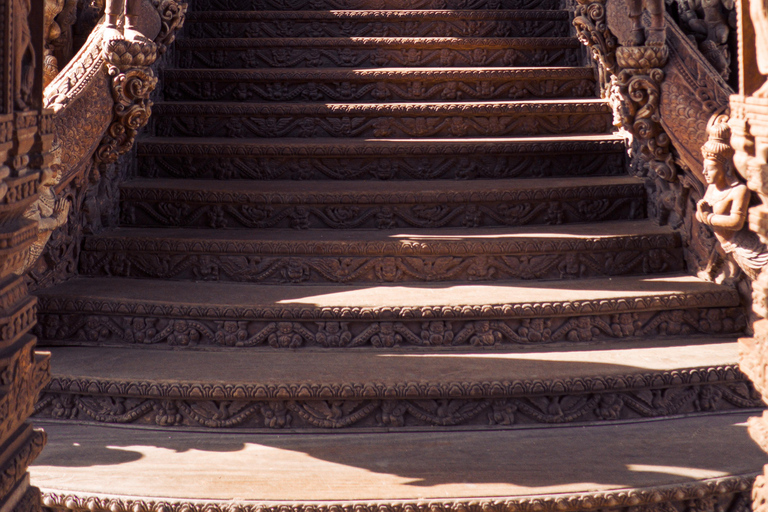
(619,500)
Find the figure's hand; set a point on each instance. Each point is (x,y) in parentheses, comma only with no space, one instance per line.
(61,211)
(703,209)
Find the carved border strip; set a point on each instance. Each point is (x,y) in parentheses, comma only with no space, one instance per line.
(684,497)
(368,390)
(440,411)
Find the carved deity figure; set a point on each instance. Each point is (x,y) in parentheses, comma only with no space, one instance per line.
(656,35)
(711,22)
(724,207)
(49,212)
(24,56)
(114,9)
(758,11)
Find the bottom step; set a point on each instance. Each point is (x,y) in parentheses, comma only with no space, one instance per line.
(710,459)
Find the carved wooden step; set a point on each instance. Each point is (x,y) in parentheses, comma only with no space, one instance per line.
(382,205)
(355,159)
(623,467)
(272,256)
(354,390)
(384,84)
(137,312)
(373,52)
(367,5)
(382,120)
(390,23)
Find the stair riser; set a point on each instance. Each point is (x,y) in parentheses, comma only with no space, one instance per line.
(379,27)
(375,90)
(373,57)
(323,5)
(707,390)
(374,126)
(385,167)
(255,267)
(233,329)
(583,205)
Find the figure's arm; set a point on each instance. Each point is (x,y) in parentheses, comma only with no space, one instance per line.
(734,220)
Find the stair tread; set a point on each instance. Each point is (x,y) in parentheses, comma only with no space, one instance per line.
(319,145)
(548,106)
(364,191)
(448,466)
(383,42)
(452,241)
(512,299)
(322,373)
(305,74)
(397,14)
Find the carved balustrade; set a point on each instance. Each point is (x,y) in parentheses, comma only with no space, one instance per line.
(701,144)
(101,99)
(664,91)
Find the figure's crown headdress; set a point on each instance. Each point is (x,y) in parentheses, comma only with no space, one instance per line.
(718,145)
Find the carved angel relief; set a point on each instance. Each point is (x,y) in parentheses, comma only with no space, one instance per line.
(725,205)
(24,57)
(49,211)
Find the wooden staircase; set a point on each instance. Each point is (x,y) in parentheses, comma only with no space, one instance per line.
(409,224)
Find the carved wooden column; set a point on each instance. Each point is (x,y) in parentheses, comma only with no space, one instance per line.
(26,134)
(749,138)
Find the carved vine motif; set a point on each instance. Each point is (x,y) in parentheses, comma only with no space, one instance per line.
(141,330)
(384,25)
(361,412)
(229,162)
(152,262)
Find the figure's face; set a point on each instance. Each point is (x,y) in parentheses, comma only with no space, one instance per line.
(713,170)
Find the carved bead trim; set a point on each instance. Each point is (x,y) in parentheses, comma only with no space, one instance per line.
(711,299)
(683,497)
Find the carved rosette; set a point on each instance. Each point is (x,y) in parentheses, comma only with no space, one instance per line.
(132,82)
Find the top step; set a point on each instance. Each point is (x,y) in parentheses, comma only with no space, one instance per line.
(320,5)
